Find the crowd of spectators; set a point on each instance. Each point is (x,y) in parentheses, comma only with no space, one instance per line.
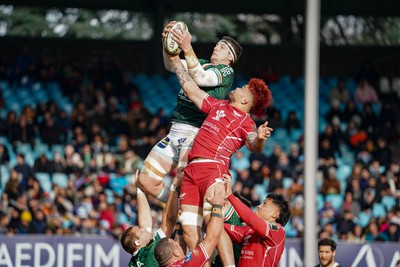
(109,132)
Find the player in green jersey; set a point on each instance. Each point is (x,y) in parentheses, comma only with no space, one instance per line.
(214,76)
(138,240)
(231,217)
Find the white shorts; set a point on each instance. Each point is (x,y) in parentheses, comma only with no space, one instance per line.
(180,136)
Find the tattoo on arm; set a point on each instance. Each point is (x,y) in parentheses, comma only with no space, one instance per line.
(182,74)
(251,137)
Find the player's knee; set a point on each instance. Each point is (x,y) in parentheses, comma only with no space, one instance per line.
(146,182)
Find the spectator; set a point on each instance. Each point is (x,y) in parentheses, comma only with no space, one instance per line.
(365,93)
(292,122)
(349,205)
(351,112)
(4,155)
(24,169)
(340,92)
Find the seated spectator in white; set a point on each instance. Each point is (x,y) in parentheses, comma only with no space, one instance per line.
(365,93)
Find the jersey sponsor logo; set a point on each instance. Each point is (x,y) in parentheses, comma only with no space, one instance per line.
(219,114)
(163,143)
(182,196)
(211,125)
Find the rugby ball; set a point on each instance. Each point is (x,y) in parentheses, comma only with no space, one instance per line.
(169,44)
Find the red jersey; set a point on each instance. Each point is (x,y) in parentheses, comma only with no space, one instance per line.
(197,258)
(262,242)
(222,133)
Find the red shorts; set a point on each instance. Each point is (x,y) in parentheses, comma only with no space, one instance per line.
(199,176)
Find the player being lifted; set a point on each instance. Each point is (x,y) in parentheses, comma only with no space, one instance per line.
(215,76)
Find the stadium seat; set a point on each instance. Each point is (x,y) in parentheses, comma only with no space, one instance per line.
(363,218)
(389,202)
(287,182)
(44,181)
(295,134)
(335,199)
(320,202)
(117,184)
(60,179)
(290,230)
(378,210)
(5,176)
(343,172)
(261,191)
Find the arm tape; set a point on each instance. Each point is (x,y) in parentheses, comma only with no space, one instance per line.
(219,215)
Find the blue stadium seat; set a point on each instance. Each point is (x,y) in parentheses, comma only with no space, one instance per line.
(5,176)
(320,202)
(117,184)
(378,210)
(60,179)
(343,172)
(296,134)
(287,182)
(363,218)
(44,181)
(261,191)
(290,230)
(24,148)
(335,199)
(389,202)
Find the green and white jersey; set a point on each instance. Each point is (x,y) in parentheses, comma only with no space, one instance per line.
(186,112)
(233,218)
(144,257)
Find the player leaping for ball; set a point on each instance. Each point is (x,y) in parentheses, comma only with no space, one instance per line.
(214,76)
(227,128)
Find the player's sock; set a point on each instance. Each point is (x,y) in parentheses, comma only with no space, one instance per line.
(163,195)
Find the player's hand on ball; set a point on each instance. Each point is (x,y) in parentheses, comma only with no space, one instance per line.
(183,39)
(170,38)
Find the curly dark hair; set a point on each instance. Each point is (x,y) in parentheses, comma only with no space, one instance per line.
(261,95)
(327,242)
(283,204)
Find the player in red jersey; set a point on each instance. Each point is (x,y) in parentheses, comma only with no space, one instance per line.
(169,253)
(227,128)
(263,238)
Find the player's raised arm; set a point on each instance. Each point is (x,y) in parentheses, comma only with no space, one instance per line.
(187,83)
(170,214)
(145,219)
(167,63)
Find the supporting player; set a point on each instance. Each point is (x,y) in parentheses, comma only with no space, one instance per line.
(138,240)
(227,128)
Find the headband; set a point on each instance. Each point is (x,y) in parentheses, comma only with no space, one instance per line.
(231,50)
